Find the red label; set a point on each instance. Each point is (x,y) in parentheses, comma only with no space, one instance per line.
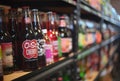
(30,49)
(7,54)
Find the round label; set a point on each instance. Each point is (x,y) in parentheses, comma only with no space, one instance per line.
(30,49)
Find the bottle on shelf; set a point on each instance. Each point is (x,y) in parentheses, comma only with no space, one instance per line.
(81,35)
(98,35)
(48,45)
(1,65)
(65,37)
(82,69)
(52,34)
(12,26)
(28,43)
(6,45)
(39,37)
(90,33)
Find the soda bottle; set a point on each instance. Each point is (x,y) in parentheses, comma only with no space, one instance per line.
(39,37)
(1,65)
(52,34)
(65,37)
(6,45)
(12,25)
(28,43)
(81,35)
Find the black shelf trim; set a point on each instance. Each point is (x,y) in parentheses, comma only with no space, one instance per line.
(45,71)
(94,48)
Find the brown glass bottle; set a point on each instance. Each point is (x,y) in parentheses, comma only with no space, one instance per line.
(65,37)
(39,37)
(6,45)
(12,26)
(28,43)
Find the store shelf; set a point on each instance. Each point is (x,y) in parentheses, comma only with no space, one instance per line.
(40,74)
(96,47)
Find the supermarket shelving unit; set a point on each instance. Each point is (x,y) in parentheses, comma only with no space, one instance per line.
(67,7)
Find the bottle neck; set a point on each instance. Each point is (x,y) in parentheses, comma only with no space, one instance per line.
(36,20)
(13,22)
(2,23)
(27,19)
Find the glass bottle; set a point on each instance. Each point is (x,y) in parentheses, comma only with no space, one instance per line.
(12,25)
(28,43)
(65,37)
(48,45)
(81,35)
(39,37)
(6,45)
(52,34)
(1,65)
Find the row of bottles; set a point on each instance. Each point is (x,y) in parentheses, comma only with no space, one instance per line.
(91,33)
(30,40)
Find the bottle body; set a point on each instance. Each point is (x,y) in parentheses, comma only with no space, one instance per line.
(6,46)
(65,38)
(39,37)
(12,25)
(28,43)
(1,65)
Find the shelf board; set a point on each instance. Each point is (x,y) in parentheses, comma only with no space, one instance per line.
(14,75)
(45,71)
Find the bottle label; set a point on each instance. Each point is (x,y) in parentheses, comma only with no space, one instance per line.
(66,45)
(7,54)
(40,46)
(55,48)
(30,49)
(48,53)
(1,70)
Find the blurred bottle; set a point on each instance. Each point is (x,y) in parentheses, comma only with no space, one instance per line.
(98,35)
(6,45)
(1,65)
(60,76)
(28,43)
(48,44)
(39,37)
(12,26)
(82,69)
(65,37)
(90,33)
(52,34)
(105,31)
(81,35)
